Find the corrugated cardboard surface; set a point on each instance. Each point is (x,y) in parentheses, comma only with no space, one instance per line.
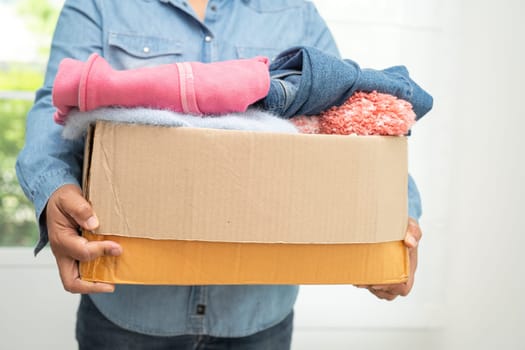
(148,261)
(239,186)
(244,200)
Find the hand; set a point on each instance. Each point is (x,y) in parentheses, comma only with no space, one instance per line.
(392,291)
(67,210)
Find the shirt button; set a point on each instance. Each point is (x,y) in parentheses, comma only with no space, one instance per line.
(213,8)
(146,49)
(201,309)
(207,38)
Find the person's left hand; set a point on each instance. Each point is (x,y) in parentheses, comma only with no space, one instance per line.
(391,291)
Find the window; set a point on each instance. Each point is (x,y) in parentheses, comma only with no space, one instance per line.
(22,61)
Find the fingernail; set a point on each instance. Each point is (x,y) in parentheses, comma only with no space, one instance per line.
(92,223)
(109,289)
(412,241)
(116,251)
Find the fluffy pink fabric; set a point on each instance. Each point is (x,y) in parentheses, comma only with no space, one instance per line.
(362,114)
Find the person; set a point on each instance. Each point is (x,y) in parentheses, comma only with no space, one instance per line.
(147,33)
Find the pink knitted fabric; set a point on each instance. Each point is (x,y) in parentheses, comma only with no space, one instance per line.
(362,114)
(307,124)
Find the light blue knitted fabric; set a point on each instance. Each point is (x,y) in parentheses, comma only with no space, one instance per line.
(253,119)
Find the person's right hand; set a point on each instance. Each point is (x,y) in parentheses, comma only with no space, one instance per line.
(66,210)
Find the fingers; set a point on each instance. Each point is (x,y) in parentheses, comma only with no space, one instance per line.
(70,277)
(389,291)
(69,201)
(76,248)
(381,294)
(392,291)
(81,249)
(381,291)
(413,234)
(65,212)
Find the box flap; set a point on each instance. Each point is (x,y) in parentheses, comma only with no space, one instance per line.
(150,261)
(240,186)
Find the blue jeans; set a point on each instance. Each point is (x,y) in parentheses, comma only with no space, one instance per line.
(94,331)
(307,81)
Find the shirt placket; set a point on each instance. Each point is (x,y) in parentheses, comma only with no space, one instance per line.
(213,13)
(209,47)
(197,309)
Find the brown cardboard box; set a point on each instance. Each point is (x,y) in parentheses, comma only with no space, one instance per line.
(207,206)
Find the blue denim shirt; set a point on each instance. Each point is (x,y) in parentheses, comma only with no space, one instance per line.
(147,33)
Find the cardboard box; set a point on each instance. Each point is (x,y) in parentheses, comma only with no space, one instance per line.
(207,206)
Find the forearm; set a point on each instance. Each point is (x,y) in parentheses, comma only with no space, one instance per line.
(46,162)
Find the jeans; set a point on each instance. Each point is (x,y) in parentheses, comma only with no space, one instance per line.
(307,81)
(94,331)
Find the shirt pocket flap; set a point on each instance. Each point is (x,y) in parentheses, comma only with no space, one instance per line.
(145,46)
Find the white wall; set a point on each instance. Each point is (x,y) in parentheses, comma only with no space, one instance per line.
(379,34)
(485,267)
(465,156)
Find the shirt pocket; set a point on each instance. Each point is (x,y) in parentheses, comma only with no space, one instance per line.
(250,51)
(126,51)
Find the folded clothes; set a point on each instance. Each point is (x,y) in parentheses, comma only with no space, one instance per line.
(307,81)
(189,87)
(304,81)
(365,113)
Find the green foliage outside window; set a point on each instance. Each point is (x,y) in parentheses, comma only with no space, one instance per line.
(17,81)
(17,223)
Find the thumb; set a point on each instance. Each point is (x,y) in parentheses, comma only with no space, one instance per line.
(71,202)
(413,234)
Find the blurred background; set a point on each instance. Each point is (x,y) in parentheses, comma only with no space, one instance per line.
(464,155)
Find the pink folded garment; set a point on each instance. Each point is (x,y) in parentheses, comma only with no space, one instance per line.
(188,87)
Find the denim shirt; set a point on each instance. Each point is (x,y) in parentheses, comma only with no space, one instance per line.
(146,33)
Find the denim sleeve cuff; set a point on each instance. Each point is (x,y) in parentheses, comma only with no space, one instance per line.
(414,200)
(387,82)
(44,187)
(396,81)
